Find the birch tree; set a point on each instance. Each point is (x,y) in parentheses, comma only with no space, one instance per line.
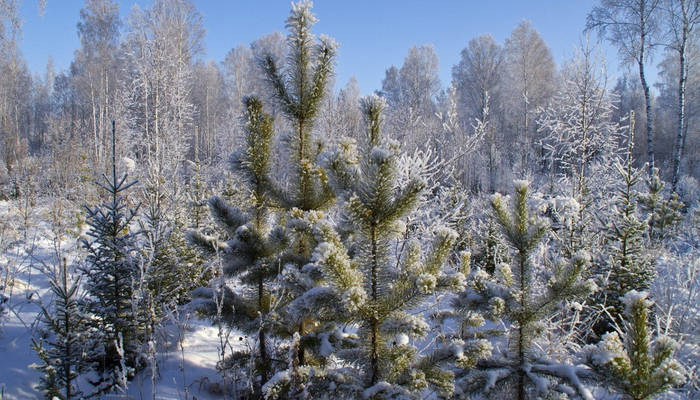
(681,18)
(479,82)
(411,92)
(161,45)
(95,73)
(211,103)
(13,86)
(633,27)
(478,78)
(581,137)
(531,73)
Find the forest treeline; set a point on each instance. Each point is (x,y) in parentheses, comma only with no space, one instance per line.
(526,232)
(148,73)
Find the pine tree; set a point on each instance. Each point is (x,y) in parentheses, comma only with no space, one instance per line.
(113,266)
(636,364)
(299,87)
(367,285)
(523,294)
(492,249)
(274,233)
(254,240)
(63,351)
(299,84)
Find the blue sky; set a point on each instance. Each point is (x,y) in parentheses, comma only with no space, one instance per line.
(373,34)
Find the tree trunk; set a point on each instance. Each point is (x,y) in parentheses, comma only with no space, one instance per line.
(681,111)
(264,362)
(374,324)
(647,94)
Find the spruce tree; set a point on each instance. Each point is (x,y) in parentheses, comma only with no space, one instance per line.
(253,242)
(523,294)
(63,350)
(664,211)
(633,362)
(630,263)
(113,266)
(173,268)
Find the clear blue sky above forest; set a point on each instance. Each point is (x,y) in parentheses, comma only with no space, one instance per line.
(373,34)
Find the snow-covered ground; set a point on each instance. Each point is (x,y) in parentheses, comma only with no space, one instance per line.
(33,238)
(186,369)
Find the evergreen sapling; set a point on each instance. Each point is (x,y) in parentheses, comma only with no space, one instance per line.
(523,294)
(634,363)
(112,269)
(371,287)
(65,350)
(630,262)
(299,84)
(664,211)
(253,243)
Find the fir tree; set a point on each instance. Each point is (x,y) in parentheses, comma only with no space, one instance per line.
(253,242)
(523,293)
(634,363)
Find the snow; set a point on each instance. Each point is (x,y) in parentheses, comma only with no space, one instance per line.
(492,377)
(354,298)
(24,286)
(326,346)
(381,154)
(127,164)
(569,372)
(188,368)
(541,383)
(269,389)
(521,184)
(633,296)
(448,233)
(401,339)
(184,370)
(376,389)
(426,283)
